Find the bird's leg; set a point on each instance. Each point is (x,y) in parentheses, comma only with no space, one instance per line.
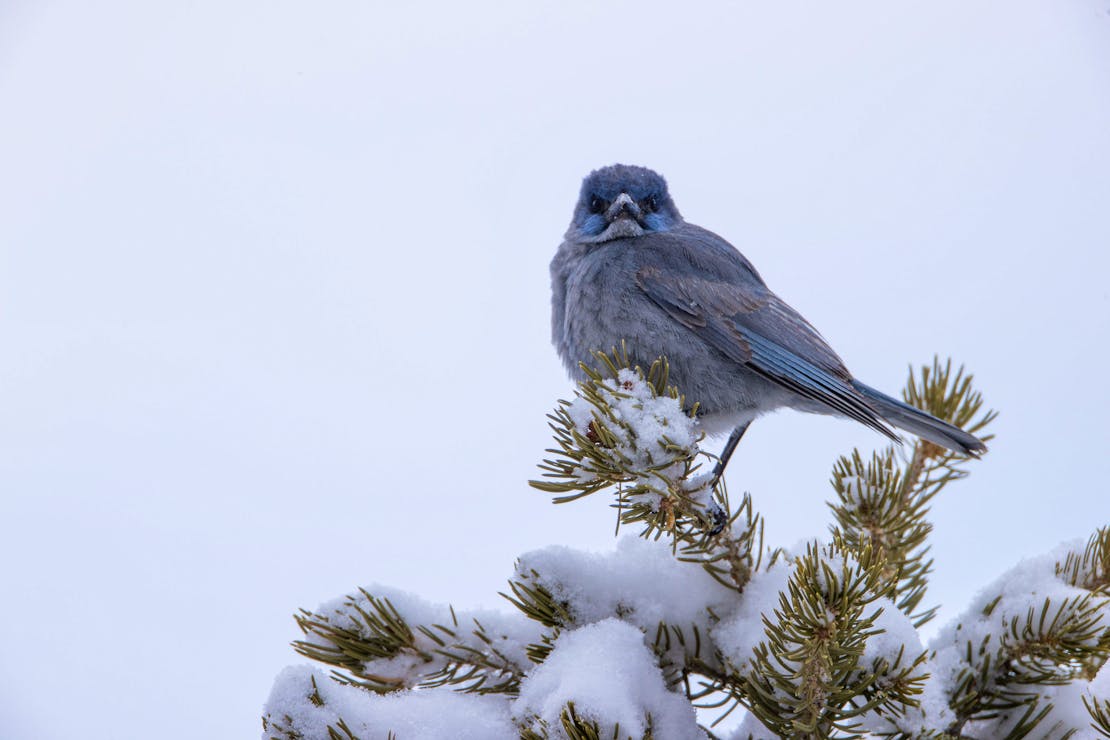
(726,453)
(719,519)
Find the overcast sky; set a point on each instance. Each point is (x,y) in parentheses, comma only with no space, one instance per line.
(274,296)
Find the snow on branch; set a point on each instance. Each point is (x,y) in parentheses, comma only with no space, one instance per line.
(834,649)
(628,429)
(1035,629)
(305,704)
(696,618)
(603,681)
(392,641)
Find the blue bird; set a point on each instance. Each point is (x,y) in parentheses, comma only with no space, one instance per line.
(631,268)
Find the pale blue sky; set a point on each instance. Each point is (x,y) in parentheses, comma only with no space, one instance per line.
(274,296)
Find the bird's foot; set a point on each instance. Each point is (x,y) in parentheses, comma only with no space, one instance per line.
(720,519)
(703,486)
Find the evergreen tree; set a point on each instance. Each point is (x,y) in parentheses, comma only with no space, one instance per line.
(699,613)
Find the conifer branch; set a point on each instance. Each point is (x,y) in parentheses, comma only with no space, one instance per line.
(1052,644)
(575,727)
(1099,710)
(880,517)
(951,398)
(340,731)
(376,648)
(736,552)
(873,512)
(284,728)
(280,728)
(825,667)
(883,503)
(807,678)
(539,604)
(602,445)
(1091,568)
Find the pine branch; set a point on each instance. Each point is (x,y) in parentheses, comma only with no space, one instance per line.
(951,398)
(280,728)
(734,553)
(1050,645)
(883,504)
(540,605)
(285,727)
(575,727)
(1091,568)
(340,731)
(605,441)
(881,512)
(627,428)
(807,679)
(821,669)
(874,512)
(683,652)
(374,630)
(1099,710)
(376,648)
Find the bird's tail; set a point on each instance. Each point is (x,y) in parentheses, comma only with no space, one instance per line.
(916,421)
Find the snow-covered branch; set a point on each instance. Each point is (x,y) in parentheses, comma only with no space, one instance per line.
(696,617)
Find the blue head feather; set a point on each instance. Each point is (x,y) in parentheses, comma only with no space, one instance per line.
(592,220)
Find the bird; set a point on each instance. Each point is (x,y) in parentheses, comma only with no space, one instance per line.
(631,269)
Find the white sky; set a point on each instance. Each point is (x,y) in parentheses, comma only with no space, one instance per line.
(274,296)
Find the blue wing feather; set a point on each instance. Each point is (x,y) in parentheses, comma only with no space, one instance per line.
(721,299)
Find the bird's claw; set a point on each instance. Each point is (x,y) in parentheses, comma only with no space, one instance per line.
(720,519)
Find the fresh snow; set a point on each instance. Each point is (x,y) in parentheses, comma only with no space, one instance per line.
(1020,591)
(510,632)
(738,635)
(429,714)
(641,580)
(612,678)
(644,421)
(604,663)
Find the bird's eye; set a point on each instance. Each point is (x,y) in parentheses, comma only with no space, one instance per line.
(651,203)
(597,205)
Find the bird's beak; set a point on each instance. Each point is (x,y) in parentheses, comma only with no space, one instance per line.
(623,207)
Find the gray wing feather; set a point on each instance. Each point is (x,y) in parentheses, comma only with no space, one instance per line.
(740,317)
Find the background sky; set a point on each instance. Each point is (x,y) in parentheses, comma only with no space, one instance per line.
(274,310)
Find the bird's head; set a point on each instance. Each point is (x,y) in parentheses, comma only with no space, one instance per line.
(622,201)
